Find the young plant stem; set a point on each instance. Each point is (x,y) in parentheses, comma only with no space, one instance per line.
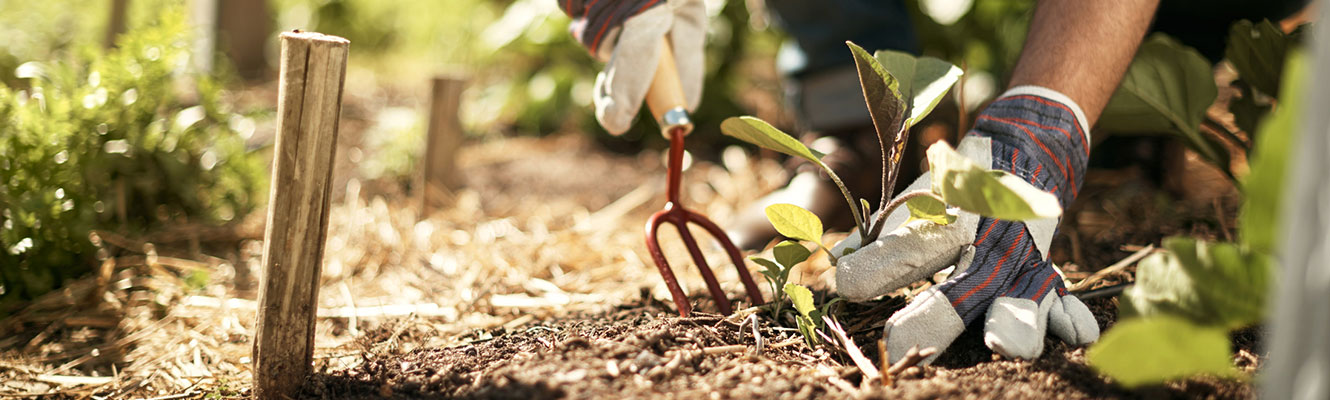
(859,218)
(832,257)
(890,160)
(894,204)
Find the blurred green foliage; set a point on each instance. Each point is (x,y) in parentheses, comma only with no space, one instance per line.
(980,36)
(127,139)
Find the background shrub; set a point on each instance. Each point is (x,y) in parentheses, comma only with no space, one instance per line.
(127,139)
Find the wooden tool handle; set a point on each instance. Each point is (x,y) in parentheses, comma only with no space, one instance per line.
(666,93)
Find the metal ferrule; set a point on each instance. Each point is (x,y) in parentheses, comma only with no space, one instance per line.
(676,118)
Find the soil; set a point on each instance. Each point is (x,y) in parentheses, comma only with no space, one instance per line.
(644,350)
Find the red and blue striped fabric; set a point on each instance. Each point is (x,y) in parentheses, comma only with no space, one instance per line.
(593,20)
(1041,141)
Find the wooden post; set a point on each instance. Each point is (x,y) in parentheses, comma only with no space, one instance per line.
(309,101)
(115,23)
(442,140)
(243,30)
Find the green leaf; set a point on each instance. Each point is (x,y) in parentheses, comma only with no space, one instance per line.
(995,194)
(1258,52)
(929,208)
(803,303)
(1143,351)
(1258,224)
(801,297)
(923,81)
(1249,109)
(771,266)
(826,307)
(1209,283)
(867,208)
(888,106)
(795,222)
(789,253)
(1167,89)
(759,132)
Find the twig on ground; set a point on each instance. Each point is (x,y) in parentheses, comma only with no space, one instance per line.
(912,358)
(707,330)
(1106,291)
(886,363)
(1118,266)
(865,365)
(757,335)
(788,343)
(740,315)
(724,349)
(71,380)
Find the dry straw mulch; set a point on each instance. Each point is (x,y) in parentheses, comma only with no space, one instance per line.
(543,227)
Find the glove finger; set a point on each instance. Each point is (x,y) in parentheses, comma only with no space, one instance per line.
(1015,326)
(688,36)
(622,86)
(928,321)
(908,254)
(1072,321)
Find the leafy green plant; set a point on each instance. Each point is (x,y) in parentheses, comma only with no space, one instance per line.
(127,140)
(1175,320)
(787,254)
(1169,87)
(799,224)
(900,90)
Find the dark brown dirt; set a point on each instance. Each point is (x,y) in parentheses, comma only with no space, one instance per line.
(643,350)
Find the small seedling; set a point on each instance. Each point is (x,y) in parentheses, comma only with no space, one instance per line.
(777,272)
(799,224)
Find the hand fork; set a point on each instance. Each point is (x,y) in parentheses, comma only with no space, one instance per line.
(666,101)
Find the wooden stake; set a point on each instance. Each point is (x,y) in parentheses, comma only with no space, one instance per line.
(243,29)
(309,102)
(443,139)
(115,23)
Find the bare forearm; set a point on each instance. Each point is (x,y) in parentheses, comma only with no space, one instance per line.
(1082,48)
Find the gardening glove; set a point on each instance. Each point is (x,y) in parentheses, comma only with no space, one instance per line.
(1002,268)
(626,35)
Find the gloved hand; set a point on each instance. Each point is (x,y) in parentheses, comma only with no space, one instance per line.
(1001,266)
(626,35)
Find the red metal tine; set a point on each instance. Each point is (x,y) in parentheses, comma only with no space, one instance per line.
(653,246)
(717,294)
(754,294)
(675,214)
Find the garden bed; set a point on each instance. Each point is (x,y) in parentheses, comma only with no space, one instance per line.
(535,283)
